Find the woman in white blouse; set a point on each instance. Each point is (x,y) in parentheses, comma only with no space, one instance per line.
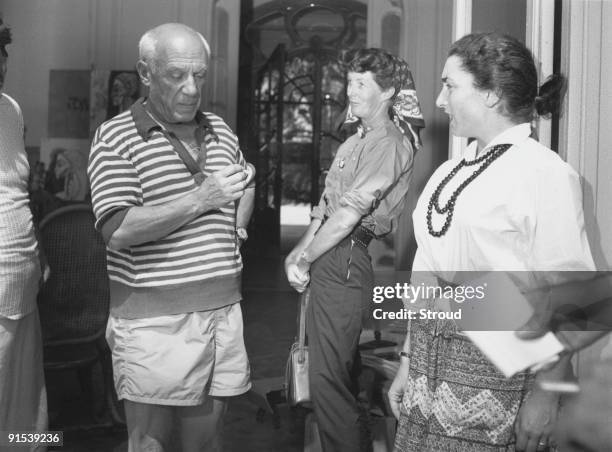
(508,204)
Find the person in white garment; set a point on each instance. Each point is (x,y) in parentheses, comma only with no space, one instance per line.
(23,399)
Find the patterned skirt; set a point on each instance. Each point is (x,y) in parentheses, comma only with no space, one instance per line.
(456,400)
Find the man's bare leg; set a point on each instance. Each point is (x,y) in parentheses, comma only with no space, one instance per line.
(201,426)
(149,426)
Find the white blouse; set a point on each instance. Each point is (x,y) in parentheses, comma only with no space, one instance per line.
(522,213)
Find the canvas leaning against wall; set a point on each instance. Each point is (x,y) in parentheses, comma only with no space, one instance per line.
(79,101)
(65,163)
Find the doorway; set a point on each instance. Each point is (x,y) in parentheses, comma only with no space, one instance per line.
(297,104)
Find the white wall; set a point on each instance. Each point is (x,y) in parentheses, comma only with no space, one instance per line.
(426,37)
(45,37)
(586,135)
(81,34)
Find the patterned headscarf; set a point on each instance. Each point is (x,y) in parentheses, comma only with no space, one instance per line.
(405,112)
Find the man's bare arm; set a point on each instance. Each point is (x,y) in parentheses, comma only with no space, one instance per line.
(149,223)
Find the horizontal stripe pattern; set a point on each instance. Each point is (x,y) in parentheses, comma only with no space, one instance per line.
(127,171)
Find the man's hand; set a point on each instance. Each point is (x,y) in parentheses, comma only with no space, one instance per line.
(250,172)
(223,186)
(144,224)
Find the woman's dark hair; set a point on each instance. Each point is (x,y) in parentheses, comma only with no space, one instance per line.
(504,65)
(5,37)
(387,69)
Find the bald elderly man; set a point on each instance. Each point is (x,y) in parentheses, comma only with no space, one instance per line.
(172,194)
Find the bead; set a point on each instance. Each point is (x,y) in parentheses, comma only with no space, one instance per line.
(448,209)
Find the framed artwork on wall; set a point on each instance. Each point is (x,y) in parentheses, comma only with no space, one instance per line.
(68,115)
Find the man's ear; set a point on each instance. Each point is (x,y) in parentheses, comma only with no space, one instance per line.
(144,72)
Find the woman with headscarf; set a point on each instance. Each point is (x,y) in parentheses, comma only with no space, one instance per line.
(507,204)
(365,191)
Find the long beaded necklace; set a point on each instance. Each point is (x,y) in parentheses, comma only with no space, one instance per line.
(449,207)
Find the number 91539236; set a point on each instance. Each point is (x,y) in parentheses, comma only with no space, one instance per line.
(26,438)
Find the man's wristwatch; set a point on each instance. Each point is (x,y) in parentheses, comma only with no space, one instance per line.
(242,234)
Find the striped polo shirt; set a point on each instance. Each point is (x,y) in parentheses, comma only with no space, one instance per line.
(198,266)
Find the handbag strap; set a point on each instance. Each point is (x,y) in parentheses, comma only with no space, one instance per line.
(304,298)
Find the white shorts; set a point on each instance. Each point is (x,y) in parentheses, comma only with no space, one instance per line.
(179,359)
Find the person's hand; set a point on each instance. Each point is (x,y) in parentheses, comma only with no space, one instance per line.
(298,280)
(46,274)
(250,173)
(303,265)
(568,322)
(585,423)
(398,387)
(290,259)
(297,270)
(570,306)
(541,321)
(223,186)
(536,420)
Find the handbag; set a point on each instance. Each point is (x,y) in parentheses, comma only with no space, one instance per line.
(297,385)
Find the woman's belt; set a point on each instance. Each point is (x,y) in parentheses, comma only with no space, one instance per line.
(362,236)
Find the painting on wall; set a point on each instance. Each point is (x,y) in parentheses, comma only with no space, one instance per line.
(111,93)
(68,115)
(79,101)
(98,99)
(59,177)
(64,163)
(124,88)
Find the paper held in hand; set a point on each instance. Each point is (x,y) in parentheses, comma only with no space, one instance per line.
(505,303)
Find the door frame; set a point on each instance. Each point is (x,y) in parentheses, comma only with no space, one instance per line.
(540,31)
